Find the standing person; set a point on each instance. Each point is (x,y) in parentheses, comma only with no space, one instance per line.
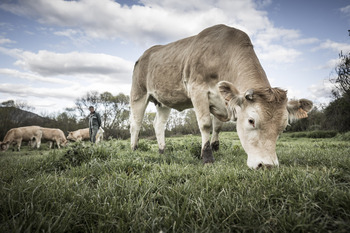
(94,123)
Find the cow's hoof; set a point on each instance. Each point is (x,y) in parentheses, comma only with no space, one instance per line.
(265,166)
(208,160)
(134,148)
(207,154)
(215,146)
(161,151)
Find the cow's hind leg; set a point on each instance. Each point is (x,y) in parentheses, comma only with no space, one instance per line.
(38,142)
(19,145)
(201,106)
(58,144)
(217,124)
(137,109)
(159,126)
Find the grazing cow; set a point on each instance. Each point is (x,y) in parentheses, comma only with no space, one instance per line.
(54,135)
(15,136)
(215,72)
(78,135)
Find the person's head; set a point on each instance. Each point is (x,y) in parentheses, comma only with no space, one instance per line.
(92,109)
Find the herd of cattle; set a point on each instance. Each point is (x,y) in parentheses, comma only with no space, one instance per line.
(35,134)
(217,73)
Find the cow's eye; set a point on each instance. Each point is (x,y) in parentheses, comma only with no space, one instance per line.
(251,122)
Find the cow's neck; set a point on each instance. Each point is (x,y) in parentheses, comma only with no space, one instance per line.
(250,76)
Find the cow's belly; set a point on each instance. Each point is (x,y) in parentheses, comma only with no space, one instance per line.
(173,99)
(165,86)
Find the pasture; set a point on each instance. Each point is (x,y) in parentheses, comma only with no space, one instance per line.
(109,188)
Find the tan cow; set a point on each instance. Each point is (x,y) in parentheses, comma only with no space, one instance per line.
(99,135)
(54,136)
(15,136)
(78,135)
(215,72)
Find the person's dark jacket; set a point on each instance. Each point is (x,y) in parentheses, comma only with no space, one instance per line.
(94,120)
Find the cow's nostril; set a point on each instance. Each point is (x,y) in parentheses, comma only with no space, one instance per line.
(260,165)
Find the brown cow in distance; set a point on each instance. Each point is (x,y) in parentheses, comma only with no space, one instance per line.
(54,136)
(16,136)
(79,135)
(216,72)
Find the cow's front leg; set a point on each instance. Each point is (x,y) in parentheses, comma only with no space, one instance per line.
(58,144)
(19,143)
(217,124)
(38,142)
(137,110)
(201,107)
(159,126)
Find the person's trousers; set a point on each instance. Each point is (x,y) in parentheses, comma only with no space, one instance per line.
(93,132)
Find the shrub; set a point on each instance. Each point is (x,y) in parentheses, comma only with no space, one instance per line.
(314,134)
(344,136)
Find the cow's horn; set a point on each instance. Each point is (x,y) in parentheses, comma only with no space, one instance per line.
(249,94)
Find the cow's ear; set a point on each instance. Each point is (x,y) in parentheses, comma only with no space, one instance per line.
(229,92)
(298,109)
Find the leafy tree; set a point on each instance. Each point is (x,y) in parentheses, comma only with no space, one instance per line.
(18,104)
(342,79)
(91,98)
(337,113)
(147,124)
(191,122)
(114,111)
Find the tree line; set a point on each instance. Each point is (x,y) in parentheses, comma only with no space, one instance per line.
(114,111)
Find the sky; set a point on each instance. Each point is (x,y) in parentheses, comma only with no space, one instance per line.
(53,51)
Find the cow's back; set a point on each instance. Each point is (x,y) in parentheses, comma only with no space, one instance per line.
(219,53)
(222,53)
(52,134)
(27,133)
(22,133)
(84,133)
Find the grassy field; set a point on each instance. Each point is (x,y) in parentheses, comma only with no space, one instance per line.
(109,188)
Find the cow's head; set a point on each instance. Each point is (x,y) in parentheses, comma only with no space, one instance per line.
(262,115)
(71,136)
(4,146)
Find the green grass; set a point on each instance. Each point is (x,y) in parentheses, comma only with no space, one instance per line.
(109,188)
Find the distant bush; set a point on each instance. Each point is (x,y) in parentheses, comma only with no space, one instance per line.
(344,136)
(314,134)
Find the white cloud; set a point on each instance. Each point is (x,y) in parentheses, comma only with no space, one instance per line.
(277,54)
(335,46)
(78,37)
(49,63)
(6,41)
(34,78)
(153,22)
(305,41)
(331,64)
(162,21)
(321,92)
(25,90)
(345,10)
